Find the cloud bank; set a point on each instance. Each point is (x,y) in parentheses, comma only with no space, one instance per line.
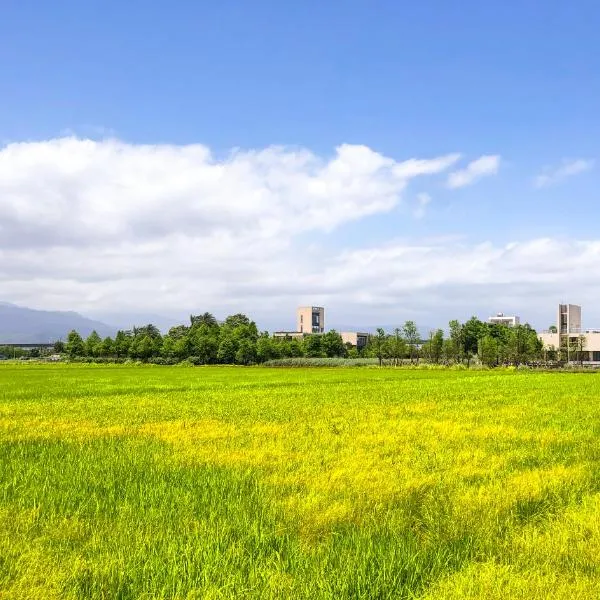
(106,225)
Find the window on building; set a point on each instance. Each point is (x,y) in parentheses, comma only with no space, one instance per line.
(596,356)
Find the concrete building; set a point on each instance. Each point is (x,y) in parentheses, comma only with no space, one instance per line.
(310,319)
(502,319)
(289,335)
(570,339)
(355,338)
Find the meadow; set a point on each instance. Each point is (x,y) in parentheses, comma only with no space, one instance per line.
(166,482)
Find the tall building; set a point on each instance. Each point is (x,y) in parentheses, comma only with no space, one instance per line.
(569,319)
(569,338)
(310,319)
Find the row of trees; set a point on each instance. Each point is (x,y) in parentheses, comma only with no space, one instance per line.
(237,341)
(492,344)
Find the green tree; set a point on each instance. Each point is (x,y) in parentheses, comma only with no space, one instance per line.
(168,347)
(93,344)
(205,319)
(488,350)
(75,346)
(246,352)
(436,345)
(411,335)
(122,344)
(332,344)
(236,320)
(267,348)
(227,350)
(312,346)
(396,346)
(456,339)
(107,347)
(204,342)
(379,344)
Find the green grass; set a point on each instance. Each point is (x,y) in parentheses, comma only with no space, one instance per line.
(164,482)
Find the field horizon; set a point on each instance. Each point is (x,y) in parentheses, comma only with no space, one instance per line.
(229,482)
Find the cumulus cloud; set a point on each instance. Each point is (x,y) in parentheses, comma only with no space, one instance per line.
(568,168)
(475,170)
(75,192)
(104,225)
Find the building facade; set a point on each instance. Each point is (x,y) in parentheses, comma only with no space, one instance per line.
(310,319)
(502,319)
(569,339)
(356,339)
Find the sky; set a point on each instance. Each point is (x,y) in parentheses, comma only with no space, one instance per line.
(387,160)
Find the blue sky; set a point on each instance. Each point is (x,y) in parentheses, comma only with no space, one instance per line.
(518,81)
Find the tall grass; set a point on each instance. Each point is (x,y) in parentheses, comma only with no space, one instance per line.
(135,482)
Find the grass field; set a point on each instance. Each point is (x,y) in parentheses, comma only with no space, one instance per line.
(138,482)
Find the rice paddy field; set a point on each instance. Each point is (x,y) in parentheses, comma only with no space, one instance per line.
(139,482)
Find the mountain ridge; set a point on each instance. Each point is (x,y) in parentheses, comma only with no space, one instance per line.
(23,325)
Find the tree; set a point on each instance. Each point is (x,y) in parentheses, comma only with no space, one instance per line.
(332,344)
(227,350)
(204,319)
(122,343)
(107,347)
(246,352)
(472,331)
(456,339)
(178,332)
(396,346)
(579,344)
(411,335)
(267,348)
(59,347)
(204,342)
(312,346)
(553,329)
(93,344)
(379,340)
(436,345)
(168,347)
(236,320)
(142,347)
(488,350)
(75,346)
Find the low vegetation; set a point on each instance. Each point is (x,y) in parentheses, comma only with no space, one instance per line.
(139,482)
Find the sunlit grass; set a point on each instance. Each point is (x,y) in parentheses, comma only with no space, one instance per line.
(132,482)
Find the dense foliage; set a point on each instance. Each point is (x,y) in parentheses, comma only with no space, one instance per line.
(238,341)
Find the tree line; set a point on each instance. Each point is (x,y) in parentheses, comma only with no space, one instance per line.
(237,340)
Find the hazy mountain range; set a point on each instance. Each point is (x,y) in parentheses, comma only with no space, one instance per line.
(28,326)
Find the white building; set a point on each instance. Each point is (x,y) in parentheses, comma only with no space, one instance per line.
(569,339)
(502,319)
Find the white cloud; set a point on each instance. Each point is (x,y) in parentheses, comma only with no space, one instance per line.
(568,168)
(422,201)
(475,170)
(77,192)
(108,226)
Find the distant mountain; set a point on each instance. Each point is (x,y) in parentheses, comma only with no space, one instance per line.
(127,320)
(28,326)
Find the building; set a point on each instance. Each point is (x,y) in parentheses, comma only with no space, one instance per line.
(310,319)
(502,319)
(289,335)
(569,339)
(355,338)
(569,319)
